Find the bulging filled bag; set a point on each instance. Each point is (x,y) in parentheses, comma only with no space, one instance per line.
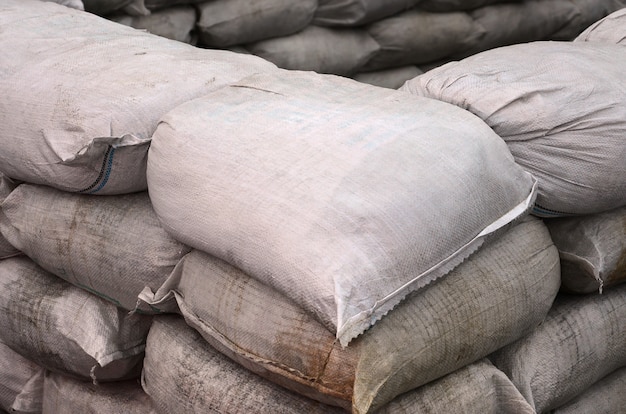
(6,248)
(560,107)
(111,246)
(21,383)
(81,95)
(341,195)
(610,29)
(605,396)
(495,297)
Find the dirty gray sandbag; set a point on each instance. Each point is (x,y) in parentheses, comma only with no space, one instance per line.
(579,343)
(93,91)
(494,298)
(225,23)
(389,78)
(476,388)
(6,248)
(605,396)
(358,12)
(339,51)
(65,329)
(560,107)
(104,7)
(184,374)
(161,4)
(416,36)
(589,12)
(611,29)
(63,394)
(325,181)
(113,246)
(513,23)
(442,6)
(21,383)
(176,23)
(592,250)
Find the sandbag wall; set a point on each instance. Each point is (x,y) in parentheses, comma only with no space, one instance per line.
(250,239)
(381,42)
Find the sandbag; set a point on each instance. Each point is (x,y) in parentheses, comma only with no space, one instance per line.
(6,248)
(580,342)
(611,29)
(65,329)
(475,388)
(112,246)
(176,23)
(21,383)
(321,49)
(605,396)
(389,78)
(592,250)
(225,23)
(171,377)
(416,36)
(160,4)
(75,4)
(324,181)
(63,394)
(495,297)
(442,6)
(104,7)
(560,107)
(589,12)
(358,12)
(81,95)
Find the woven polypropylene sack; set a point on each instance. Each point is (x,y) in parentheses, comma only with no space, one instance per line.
(611,29)
(21,383)
(64,394)
(605,396)
(75,4)
(492,299)
(81,95)
(176,23)
(344,196)
(592,250)
(476,388)
(389,78)
(357,12)
(454,5)
(65,329)
(579,343)
(589,12)
(6,248)
(560,107)
(184,374)
(112,246)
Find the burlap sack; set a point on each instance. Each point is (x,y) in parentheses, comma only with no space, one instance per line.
(184,374)
(65,329)
(176,23)
(580,342)
(225,23)
(21,383)
(81,95)
(592,250)
(497,296)
(324,182)
(611,29)
(605,396)
(113,246)
(560,107)
(63,394)
(358,12)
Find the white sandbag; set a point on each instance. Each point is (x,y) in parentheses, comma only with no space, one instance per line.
(611,29)
(389,78)
(589,12)
(560,107)
(6,248)
(63,394)
(171,377)
(320,49)
(21,383)
(65,329)
(81,95)
(477,388)
(324,182)
(232,22)
(592,250)
(176,23)
(492,299)
(605,396)
(113,246)
(75,4)
(417,36)
(358,12)
(512,23)
(580,342)
(442,6)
